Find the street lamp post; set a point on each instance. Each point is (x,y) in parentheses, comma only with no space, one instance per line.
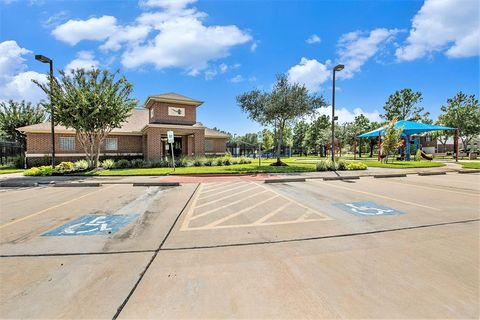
(44,59)
(338,67)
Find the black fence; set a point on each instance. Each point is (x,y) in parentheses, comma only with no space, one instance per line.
(10,151)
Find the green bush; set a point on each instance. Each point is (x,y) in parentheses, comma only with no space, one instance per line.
(80,165)
(64,167)
(18,162)
(210,162)
(183,162)
(356,166)
(122,164)
(234,160)
(225,161)
(418,155)
(137,163)
(327,165)
(108,164)
(199,161)
(342,164)
(39,171)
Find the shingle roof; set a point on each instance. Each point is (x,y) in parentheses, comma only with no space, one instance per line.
(210,133)
(173,97)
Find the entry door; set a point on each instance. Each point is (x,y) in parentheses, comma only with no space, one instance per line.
(177,148)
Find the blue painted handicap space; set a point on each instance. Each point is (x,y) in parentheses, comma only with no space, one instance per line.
(90,225)
(367,208)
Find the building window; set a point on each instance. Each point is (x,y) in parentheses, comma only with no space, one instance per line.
(67,143)
(208,145)
(111,144)
(428,138)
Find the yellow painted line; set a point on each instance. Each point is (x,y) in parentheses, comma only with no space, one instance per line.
(380,196)
(213,185)
(55,206)
(220,188)
(271,214)
(226,197)
(219,221)
(225,206)
(191,207)
(221,192)
(296,202)
(431,188)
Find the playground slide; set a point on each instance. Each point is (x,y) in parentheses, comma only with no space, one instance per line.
(426,157)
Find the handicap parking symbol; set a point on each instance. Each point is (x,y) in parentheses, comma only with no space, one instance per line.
(93,225)
(367,208)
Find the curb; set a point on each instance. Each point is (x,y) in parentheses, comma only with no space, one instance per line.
(469,171)
(156,184)
(18,184)
(78,184)
(285,180)
(433,173)
(396,175)
(341,178)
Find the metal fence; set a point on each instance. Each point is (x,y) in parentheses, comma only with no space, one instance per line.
(10,151)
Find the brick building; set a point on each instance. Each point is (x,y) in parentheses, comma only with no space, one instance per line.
(144,134)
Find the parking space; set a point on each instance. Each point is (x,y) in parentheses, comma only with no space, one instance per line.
(243,248)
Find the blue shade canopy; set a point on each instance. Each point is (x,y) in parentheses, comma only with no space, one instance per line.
(409,128)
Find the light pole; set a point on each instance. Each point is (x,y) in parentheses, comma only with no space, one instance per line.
(44,59)
(338,67)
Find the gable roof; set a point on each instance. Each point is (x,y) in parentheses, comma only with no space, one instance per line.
(173,97)
(210,133)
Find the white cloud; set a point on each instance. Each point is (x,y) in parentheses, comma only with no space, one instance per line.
(448,26)
(238,78)
(166,4)
(54,20)
(311,73)
(223,68)
(84,60)
(15,80)
(74,31)
(356,48)
(346,115)
(313,39)
(128,34)
(254,46)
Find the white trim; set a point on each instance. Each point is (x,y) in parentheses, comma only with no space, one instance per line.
(37,155)
(114,133)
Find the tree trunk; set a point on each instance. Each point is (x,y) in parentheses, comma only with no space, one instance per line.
(279,141)
(372,145)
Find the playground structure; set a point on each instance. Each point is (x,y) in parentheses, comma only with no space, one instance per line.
(409,130)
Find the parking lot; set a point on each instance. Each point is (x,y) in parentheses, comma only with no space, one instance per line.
(368,248)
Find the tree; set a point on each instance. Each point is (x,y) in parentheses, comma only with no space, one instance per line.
(462,112)
(373,141)
(267,140)
(93,103)
(318,135)
(280,107)
(360,125)
(299,136)
(442,137)
(391,140)
(19,114)
(403,105)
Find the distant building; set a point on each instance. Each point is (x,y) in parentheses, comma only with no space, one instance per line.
(144,134)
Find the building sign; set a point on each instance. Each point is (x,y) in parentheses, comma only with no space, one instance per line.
(93,225)
(367,208)
(170,137)
(176,111)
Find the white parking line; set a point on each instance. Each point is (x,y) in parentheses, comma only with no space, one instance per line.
(405,183)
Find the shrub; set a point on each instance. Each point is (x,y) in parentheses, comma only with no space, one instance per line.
(183,162)
(80,165)
(199,161)
(356,166)
(226,161)
(18,162)
(137,163)
(234,160)
(122,164)
(39,171)
(342,164)
(327,165)
(64,167)
(418,155)
(210,162)
(108,164)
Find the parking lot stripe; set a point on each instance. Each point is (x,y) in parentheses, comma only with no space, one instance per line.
(226,197)
(222,187)
(227,205)
(191,208)
(431,188)
(219,221)
(228,190)
(55,206)
(380,196)
(271,214)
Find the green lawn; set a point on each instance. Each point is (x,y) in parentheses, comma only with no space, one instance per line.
(9,169)
(471,165)
(404,164)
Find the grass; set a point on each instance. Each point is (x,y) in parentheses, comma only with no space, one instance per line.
(471,165)
(9,169)
(404,164)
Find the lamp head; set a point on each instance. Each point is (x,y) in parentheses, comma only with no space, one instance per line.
(42,58)
(339,67)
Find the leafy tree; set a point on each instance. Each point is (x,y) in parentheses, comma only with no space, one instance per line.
(373,141)
(403,105)
(280,107)
(360,125)
(318,135)
(19,114)
(299,136)
(391,140)
(267,140)
(462,112)
(93,103)
(442,137)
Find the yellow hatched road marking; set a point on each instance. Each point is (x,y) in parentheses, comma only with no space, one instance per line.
(271,214)
(222,187)
(226,197)
(54,207)
(228,190)
(191,208)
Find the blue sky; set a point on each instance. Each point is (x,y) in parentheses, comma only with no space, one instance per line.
(215,50)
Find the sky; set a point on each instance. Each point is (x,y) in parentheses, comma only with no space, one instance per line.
(214,50)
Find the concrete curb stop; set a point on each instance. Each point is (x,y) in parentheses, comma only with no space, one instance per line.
(156,184)
(341,178)
(395,175)
(79,184)
(18,184)
(469,171)
(285,180)
(433,173)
